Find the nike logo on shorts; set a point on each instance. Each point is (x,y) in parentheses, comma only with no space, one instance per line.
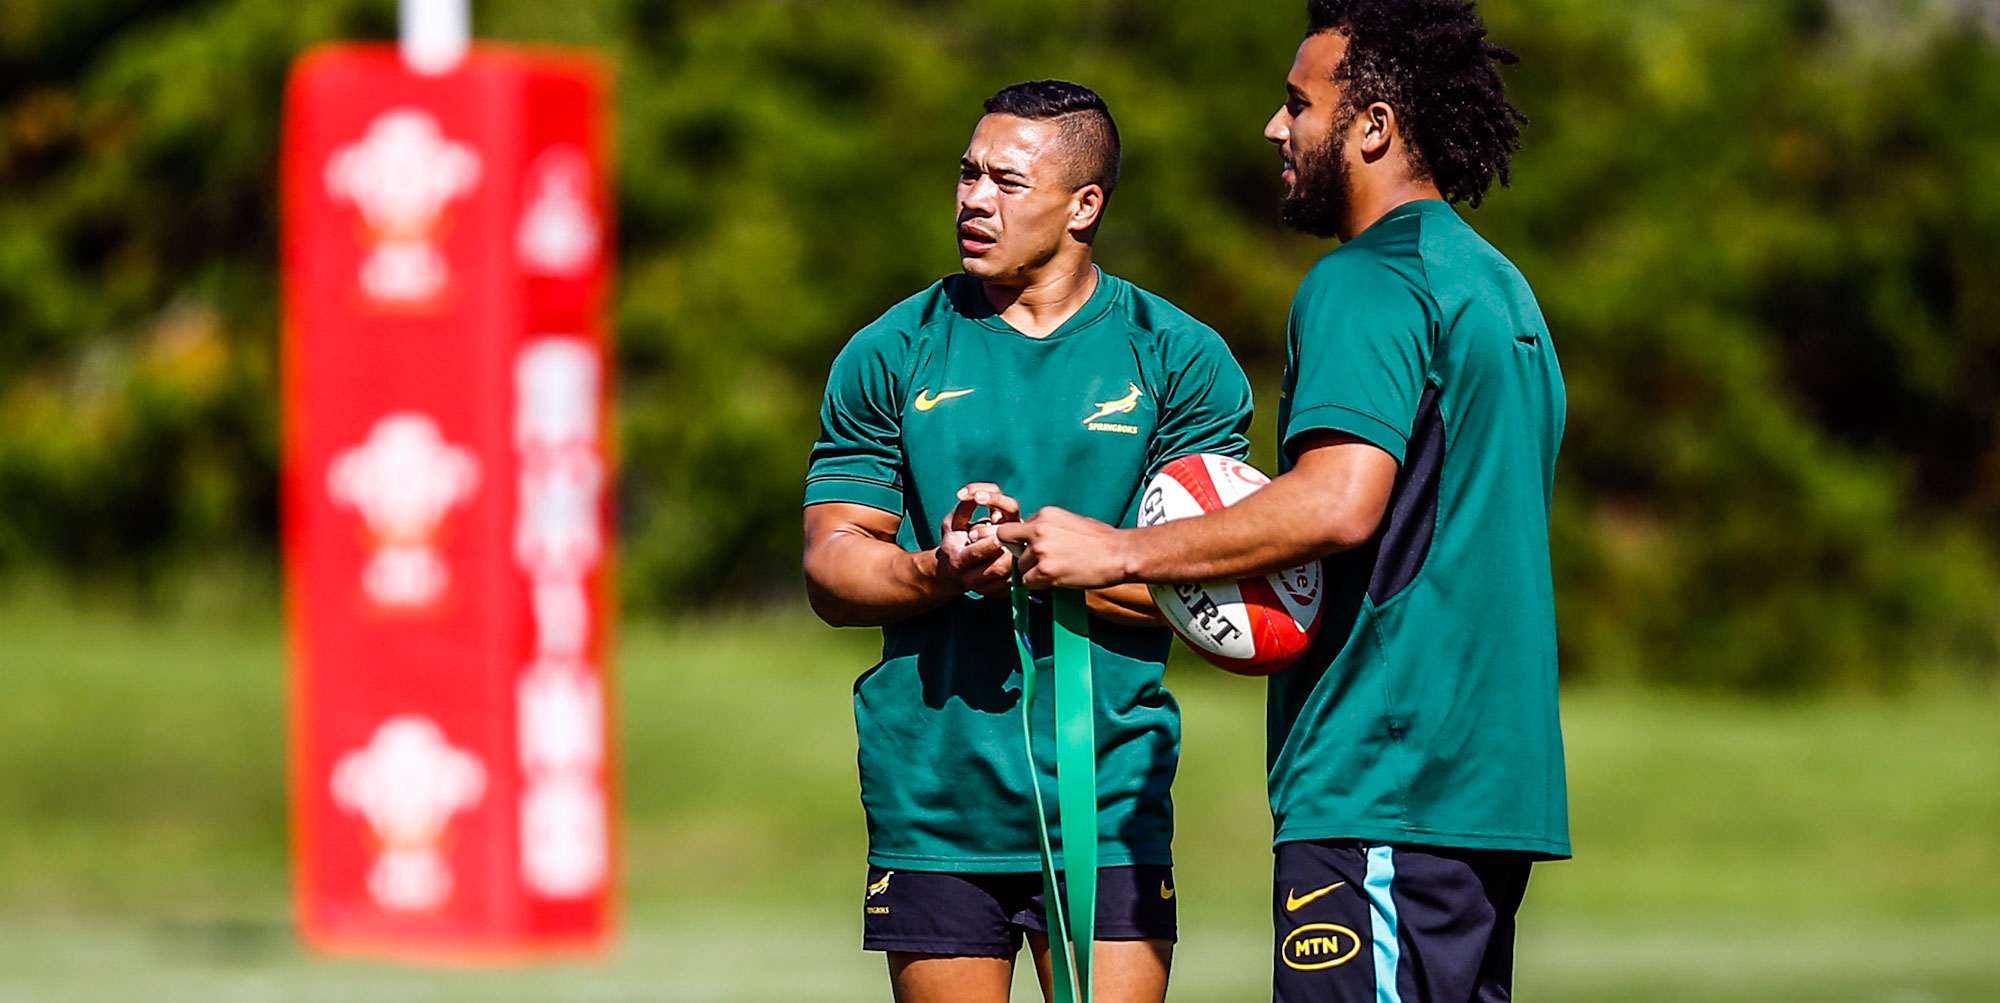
(1293,900)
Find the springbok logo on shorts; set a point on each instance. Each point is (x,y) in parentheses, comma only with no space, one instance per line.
(874,889)
(407,783)
(880,886)
(401,176)
(404,480)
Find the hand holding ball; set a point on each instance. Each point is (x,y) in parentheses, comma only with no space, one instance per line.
(1253,626)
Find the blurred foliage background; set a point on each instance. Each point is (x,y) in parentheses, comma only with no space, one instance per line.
(1765,235)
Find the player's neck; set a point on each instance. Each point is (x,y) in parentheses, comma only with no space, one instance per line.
(1367,204)
(1048,299)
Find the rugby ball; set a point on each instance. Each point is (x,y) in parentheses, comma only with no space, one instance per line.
(1252,626)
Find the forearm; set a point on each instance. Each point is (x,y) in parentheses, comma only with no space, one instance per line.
(1220,546)
(854,580)
(1130,604)
(1289,522)
(1332,500)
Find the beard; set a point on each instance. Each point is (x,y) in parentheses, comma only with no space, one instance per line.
(1317,203)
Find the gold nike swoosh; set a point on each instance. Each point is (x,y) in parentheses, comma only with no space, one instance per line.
(1294,900)
(1166,892)
(925,401)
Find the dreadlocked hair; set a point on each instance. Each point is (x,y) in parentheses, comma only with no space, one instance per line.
(1430,60)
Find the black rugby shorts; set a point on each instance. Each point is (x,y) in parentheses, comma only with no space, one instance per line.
(1370,923)
(987,915)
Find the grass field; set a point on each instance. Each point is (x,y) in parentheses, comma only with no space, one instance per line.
(1833,850)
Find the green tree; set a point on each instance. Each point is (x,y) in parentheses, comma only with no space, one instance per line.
(1762,234)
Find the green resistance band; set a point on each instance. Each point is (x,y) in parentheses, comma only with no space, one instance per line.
(1072,918)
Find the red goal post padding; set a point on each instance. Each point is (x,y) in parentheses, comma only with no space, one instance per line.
(446,483)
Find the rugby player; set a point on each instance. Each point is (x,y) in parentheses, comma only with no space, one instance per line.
(1416,766)
(1038,371)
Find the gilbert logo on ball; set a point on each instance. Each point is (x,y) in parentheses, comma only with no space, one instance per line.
(1254,626)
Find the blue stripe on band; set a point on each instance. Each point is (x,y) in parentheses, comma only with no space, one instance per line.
(1382,923)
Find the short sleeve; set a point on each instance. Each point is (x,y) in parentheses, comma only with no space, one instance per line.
(858,457)
(1206,403)
(1362,339)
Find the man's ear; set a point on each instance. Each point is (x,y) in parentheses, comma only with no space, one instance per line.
(1086,209)
(1378,128)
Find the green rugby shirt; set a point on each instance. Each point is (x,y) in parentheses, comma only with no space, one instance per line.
(938,393)
(1425,712)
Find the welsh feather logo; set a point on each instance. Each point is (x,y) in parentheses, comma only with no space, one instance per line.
(401,176)
(404,480)
(408,782)
(564,828)
(559,232)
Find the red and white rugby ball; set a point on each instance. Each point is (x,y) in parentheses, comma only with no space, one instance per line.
(1253,626)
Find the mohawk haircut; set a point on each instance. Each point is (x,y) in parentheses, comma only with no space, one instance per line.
(1430,60)
(1088,140)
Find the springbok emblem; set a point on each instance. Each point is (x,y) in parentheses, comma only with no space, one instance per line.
(1123,405)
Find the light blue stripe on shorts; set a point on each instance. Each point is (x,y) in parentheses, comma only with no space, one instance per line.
(1382,922)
